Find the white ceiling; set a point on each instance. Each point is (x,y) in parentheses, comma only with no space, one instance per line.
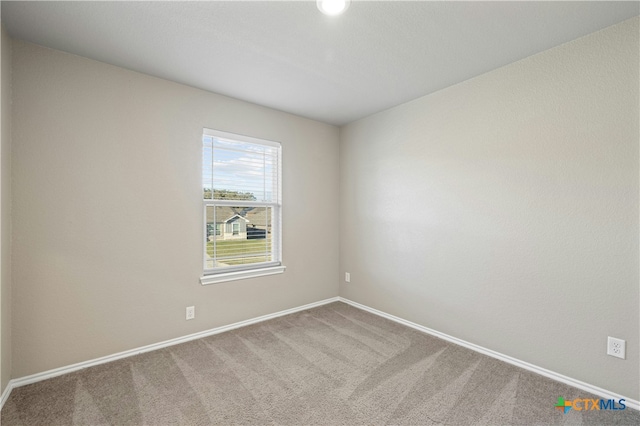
(288,56)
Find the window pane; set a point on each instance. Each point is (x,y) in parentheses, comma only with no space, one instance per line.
(240,171)
(238,236)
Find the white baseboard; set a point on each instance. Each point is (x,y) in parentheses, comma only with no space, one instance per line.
(5,394)
(21,381)
(14,383)
(522,364)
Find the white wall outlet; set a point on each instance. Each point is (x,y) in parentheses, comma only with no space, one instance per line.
(191,312)
(347,277)
(616,347)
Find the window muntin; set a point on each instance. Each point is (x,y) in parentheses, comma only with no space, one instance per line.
(241,195)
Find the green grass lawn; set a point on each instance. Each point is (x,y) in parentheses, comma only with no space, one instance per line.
(241,252)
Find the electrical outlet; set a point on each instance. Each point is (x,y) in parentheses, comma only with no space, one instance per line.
(191,312)
(347,277)
(616,347)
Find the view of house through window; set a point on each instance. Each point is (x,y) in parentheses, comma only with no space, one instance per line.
(241,194)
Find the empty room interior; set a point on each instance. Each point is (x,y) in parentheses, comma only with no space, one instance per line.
(356,212)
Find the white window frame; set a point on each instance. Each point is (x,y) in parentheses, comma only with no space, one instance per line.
(217,275)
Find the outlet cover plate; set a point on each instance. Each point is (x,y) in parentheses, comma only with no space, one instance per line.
(191,312)
(616,347)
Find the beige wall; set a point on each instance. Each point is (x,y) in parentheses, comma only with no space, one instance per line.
(107,212)
(518,193)
(522,188)
(5,214)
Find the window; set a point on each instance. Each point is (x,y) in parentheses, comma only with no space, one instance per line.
(242,207)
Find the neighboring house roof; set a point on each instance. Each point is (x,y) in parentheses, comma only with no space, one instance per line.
(222,213)
(236,216)
(254,216)
(258,217)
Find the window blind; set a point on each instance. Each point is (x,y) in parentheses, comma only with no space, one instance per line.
(241,194)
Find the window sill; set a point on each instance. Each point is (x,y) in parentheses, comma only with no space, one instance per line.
(240,275)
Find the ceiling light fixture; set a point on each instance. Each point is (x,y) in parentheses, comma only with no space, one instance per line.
(333,7)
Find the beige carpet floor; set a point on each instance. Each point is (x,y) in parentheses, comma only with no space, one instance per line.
(332,365)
